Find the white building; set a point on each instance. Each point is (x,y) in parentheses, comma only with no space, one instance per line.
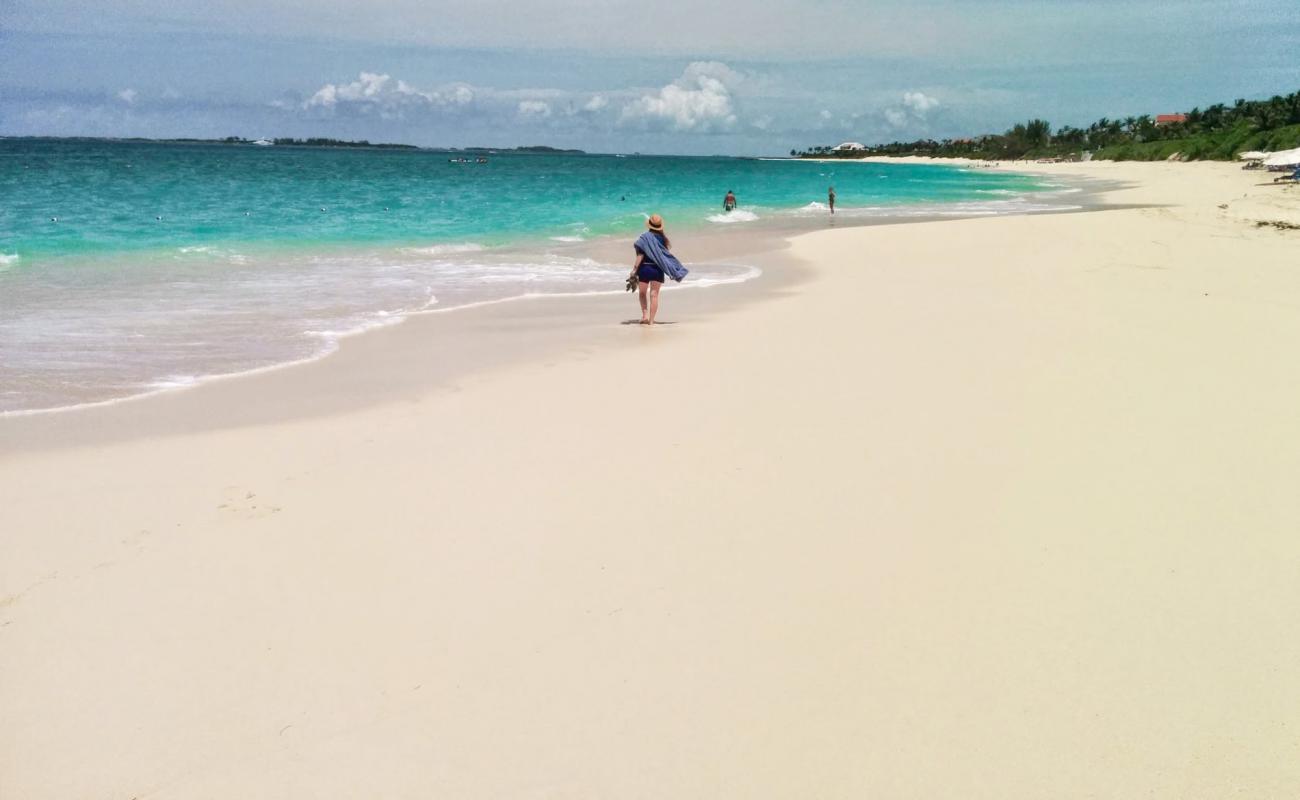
(850,146)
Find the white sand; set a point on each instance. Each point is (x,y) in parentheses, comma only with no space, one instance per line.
(996,508)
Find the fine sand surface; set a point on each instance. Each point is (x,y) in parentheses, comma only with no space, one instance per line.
(993,508)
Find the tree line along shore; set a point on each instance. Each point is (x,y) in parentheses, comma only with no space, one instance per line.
(1217,132)
(314,141)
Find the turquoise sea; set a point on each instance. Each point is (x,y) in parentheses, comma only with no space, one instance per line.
(130,267)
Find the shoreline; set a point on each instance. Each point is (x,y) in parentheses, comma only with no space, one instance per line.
(989,507)
(491,335)
(711,244)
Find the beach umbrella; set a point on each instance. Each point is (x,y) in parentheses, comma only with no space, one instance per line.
(1286,158)
(1253,155)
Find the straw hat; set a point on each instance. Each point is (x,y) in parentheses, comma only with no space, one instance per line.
(655,223)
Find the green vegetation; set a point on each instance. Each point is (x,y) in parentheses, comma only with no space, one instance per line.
(321,142)
(1218,132)
(1220,145)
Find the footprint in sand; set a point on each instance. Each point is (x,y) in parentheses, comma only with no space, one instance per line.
(241,503)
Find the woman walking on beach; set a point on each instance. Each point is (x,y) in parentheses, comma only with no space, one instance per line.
(653,261)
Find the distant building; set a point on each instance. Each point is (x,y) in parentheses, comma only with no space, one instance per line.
(849,146)
(1170,119)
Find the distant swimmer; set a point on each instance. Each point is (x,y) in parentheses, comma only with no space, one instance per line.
(729,202)
(830,199)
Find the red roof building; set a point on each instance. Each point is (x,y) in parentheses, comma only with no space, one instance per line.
(1170,119)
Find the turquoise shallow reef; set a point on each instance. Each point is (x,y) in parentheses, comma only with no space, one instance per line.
(109,195)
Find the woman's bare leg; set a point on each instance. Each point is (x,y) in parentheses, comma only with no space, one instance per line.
(655,286)
(641,289)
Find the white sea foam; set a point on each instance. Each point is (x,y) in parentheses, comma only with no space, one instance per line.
(731,217)
(567,239)
(748,273)
(447,249)
(813,207)
(7,260)
(205,250)
(185,319)
(175,382)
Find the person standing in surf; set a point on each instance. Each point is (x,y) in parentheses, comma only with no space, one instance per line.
(653,261)
(729,202)
(830,199)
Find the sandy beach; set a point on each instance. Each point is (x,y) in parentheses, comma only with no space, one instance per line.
(984,508)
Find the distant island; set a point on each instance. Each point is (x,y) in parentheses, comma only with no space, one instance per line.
(314,141)
(1218,132)
(322,142)
(536,148)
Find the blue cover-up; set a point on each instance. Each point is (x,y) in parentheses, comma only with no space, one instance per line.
(653,248)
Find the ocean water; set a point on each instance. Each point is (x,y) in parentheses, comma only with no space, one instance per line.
(130,267)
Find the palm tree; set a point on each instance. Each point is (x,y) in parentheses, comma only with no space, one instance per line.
(1038,132)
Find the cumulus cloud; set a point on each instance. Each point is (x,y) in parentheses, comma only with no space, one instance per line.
(128,96)
(458,96)
(912,111)
(700,100)
(375,93)
(919,103)
(596,103)
(534,109)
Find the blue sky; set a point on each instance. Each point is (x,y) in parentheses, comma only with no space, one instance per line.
(675,76)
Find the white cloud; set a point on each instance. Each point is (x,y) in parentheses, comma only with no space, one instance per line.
(912,112)
(127,96)
(825,114)
(373,92)
(700,100)
(919,103)
(534,109)
(596,103)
